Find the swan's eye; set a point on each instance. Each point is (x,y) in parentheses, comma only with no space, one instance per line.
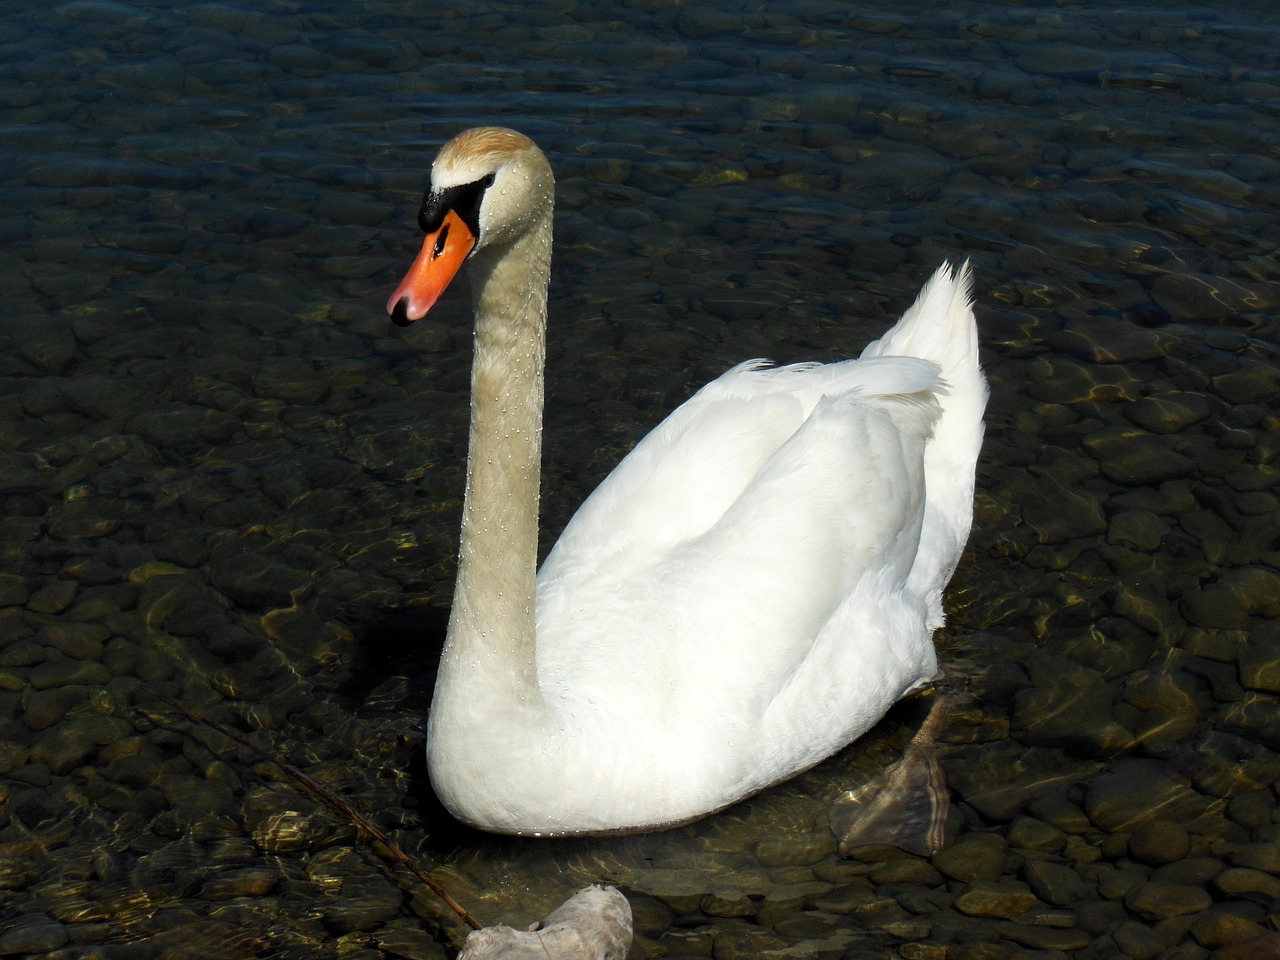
(488,181)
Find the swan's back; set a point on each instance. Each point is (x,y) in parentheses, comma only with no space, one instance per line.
(684,476)
(758,581)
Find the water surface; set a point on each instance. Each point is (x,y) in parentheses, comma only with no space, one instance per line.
(226,476)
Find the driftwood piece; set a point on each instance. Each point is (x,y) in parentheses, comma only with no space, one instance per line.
(593,924)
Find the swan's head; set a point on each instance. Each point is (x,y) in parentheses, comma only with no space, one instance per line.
(489,187)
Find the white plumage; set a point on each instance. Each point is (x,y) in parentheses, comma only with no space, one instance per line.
(751,589)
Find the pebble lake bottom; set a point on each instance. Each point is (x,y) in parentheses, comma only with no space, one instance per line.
(228,478)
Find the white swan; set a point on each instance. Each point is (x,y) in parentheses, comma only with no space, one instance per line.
(749,591)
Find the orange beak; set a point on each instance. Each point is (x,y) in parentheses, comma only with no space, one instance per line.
(440,258)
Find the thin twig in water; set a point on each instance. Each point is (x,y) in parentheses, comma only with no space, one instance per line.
(334,800)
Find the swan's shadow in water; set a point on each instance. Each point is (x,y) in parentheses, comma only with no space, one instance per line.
(397,655)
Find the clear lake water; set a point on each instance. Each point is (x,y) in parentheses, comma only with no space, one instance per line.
(227,478)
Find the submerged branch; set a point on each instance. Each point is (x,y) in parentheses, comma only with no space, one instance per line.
(333,800)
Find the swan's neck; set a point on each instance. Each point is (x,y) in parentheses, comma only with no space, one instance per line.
(491,628)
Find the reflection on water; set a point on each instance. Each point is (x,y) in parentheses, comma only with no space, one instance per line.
(227,477)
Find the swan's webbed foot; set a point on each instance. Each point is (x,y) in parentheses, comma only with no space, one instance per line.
(907,805)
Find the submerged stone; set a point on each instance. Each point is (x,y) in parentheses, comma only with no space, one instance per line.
(13,590)
(1135,792)
(1248,884)
(244,882)
(63,672)
(81,641)
(61,750)
(1136,458)
(1005,899)
(1214,607)
(1030,833)
(1259,663)
(1257,587)
(1256,856)
(32,938)
(1143,529)
(1138,940)
(728,905)
(43,708)
(254,580)
(17,873)
(1159,901)
(53,597)
(1159,842)
(1070,706)
(1064,942)
(1169,413)
(1054,883)
(1198,297)
(1107,339)
(973,857)
(182,427)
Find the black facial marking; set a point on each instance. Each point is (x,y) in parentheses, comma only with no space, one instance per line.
(463,200)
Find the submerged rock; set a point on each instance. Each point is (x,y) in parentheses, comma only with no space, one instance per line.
(1136,792)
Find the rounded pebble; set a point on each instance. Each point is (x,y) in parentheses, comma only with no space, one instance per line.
(1136,792)
(1159,842)
(1005,899)
(1054,883)
(33,938)
(1159,901)
(972,858)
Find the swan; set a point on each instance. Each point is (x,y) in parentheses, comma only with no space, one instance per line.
(750,590)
